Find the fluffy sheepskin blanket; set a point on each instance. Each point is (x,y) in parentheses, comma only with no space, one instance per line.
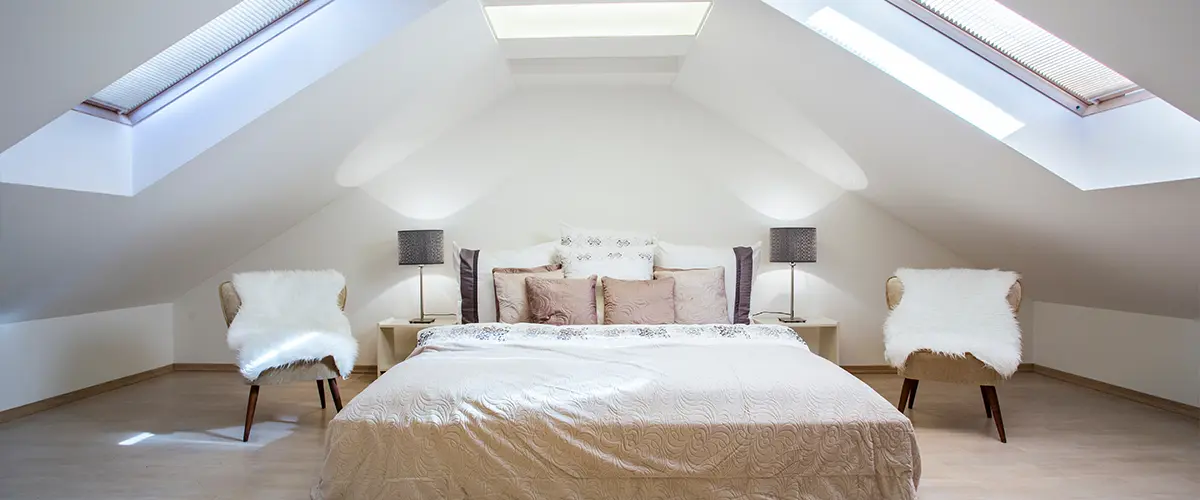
(289,317)
(955,312)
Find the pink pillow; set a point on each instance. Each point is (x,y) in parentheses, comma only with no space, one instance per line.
(639,302)
(699,295)
(562,301)
(512,304)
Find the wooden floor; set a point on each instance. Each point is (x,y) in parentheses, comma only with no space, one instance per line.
(1064,442)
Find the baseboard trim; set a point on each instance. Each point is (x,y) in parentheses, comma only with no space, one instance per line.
(870,369)
(890,370)
(228,367)
(206,367)
(1121,392)
(81,394)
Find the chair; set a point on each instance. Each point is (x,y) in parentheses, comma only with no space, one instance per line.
(325,369)
(926,365)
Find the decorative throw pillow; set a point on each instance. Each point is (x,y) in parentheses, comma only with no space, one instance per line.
(639,302)
(631,263)
(592,238)
(562,301)
(512,303)
(699,295)
(741,268)
(474,270)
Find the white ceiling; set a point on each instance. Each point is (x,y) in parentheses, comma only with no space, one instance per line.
(1152,43)
(56,53)
(66,253)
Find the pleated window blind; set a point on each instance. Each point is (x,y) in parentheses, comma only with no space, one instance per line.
(1037,50)
(191,53)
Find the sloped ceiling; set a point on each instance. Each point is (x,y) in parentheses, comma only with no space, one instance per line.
(1127,249)
(1152,43)
(56,53)
(68,253)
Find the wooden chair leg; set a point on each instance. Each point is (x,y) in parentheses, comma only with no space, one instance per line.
(995,404)
(987,403)
(321,392)
(912,395)
(904,392)
(250,412)
(337,395)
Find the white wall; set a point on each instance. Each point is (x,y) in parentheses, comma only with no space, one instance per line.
(1153,354)
(54,356)
(628,158)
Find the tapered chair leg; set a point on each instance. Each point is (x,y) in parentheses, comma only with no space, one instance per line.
(994,401)
(321,392)
(987,403)
(250,412)
(912,395)
(337,395)
(905,391)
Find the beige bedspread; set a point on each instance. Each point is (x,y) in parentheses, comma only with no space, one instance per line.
(618,418)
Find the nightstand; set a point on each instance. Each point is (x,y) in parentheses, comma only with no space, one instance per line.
(821,334)
(398,338)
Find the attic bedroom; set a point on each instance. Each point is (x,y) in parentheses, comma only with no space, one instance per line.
(600,249)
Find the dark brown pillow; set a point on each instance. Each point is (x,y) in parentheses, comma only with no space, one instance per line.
(562,301)
(639,302)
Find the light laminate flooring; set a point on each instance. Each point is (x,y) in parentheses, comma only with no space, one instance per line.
(1064,442)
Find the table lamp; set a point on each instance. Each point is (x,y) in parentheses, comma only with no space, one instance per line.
(420,248)
(792,245)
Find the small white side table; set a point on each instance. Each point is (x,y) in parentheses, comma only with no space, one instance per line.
(821,334)
(398,338)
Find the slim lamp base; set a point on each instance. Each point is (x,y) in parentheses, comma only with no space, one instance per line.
(421,321)
(786,319)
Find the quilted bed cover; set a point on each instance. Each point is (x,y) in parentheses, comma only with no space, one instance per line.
(618,412)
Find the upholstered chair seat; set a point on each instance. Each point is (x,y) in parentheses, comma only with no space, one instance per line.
(967,370)
(322,371)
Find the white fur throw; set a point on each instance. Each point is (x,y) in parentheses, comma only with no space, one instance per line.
(955,312)
(288,317)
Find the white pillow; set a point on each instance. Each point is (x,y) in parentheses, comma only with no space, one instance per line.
(592,238)
(474,271)
(740,263)
(629,263)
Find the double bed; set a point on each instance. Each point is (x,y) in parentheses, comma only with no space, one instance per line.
(618,411)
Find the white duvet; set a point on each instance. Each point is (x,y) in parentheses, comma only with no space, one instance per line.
(697,411)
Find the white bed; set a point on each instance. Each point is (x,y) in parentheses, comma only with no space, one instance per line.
(616,412)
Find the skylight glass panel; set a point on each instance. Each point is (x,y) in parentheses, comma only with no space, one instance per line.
(1037,50)
(597,19)
(188,55)
(913,72)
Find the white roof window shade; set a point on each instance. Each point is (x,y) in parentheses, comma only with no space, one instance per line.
(1028,52)
(197,57)
(600,19)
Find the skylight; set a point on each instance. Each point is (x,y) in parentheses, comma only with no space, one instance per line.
(1025,50)
(597,19)
(912,72)
(196,57)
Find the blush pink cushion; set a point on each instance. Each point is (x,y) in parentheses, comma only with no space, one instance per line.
(561,301)
(512,303)
(699,295)
(639,302)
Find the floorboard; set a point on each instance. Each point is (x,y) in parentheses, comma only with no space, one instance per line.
(1064,442)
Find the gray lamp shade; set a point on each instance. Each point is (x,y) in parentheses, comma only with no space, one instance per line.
(793,244)
(420,247)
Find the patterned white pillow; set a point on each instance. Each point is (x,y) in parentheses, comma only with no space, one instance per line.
(601,238)
(627,263)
